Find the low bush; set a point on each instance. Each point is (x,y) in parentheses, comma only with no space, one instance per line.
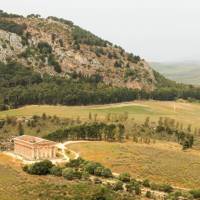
(77,174)
(68,173)
(154,186)
(148,194)
(130,187)
(125,177)
(98,171)
(137,189)
(166,188)
(195,193)
(56,171)
(118,186)
(75,162)
(106,172)
(146,183)
(39,168)
(90,167)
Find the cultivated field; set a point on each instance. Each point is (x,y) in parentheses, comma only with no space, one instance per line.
(187,113)
(162,162)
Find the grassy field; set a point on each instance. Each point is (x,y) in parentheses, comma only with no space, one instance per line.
(162,162)
(17,185)
(186,113)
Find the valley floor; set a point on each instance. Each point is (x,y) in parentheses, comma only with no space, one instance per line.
(163,162)
(184,112)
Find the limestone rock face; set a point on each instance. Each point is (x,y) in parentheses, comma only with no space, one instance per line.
(10,45)
(109,62)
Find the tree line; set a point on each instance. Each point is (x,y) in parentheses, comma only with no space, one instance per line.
(89,131)
(21,86)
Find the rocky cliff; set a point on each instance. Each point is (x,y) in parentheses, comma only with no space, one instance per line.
(60,48)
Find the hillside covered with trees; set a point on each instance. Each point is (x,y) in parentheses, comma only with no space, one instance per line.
(53,61)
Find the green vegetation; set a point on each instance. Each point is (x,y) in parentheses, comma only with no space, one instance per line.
(125,177)
(78,168)
(12,27)
(39,168)
(14,181)
(134,59)
(44,48)
(52,62)
(64,21)
(7,15)
(75,169)
(21,86)
(81,36)
(89,131)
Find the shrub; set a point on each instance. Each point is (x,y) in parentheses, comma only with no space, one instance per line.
(106,172)
(148,194)
(91,166)
(85,175)
(137,189)
(98,171)
(25,168)
(40,168)
(166,188)
(68,173)
(82,36)
(13,27)
(118,186)
(2,123)
(44,48)
(118,64)
(75,162)
(195,193)
(56,171)
(125,177)
(77,175)
(133,59)
(100,194)
(146,183)
(52,61)
(130,187)
(130,73)
(154,186)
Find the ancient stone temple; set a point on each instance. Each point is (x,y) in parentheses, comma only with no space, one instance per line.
(34,148)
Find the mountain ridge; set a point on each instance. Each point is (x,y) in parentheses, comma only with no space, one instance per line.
(60,48)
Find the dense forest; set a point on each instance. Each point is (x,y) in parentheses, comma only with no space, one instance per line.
(21,86)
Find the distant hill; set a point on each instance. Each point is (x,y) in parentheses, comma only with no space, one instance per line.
(182,72)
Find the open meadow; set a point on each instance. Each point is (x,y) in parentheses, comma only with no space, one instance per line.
(162,162)
(186,113)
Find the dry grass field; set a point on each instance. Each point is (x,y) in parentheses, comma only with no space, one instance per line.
(162,162)
(17,185)
(186,113)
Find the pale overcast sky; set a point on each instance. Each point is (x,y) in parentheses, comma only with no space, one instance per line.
(157,30)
